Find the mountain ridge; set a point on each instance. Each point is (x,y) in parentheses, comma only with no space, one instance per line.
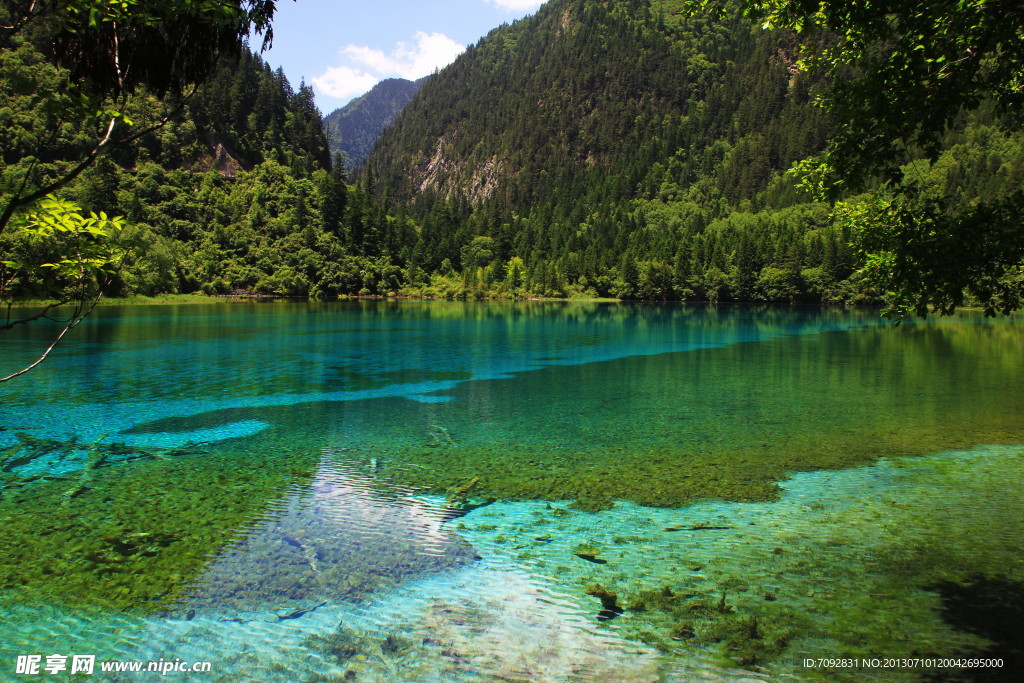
(602,149)
(584,86)
(560,130)
(352,129)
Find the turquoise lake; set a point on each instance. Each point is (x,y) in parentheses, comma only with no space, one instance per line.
(536,491)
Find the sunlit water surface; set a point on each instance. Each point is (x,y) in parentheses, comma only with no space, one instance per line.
(651,493)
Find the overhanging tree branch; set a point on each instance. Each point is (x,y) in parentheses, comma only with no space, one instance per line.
(76,319)
(20,201)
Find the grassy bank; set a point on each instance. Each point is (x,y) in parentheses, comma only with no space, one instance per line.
(138,300)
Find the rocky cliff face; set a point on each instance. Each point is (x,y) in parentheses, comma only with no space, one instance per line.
(600,101)
(219,157)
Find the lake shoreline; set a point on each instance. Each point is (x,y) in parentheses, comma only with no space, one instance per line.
(175,299)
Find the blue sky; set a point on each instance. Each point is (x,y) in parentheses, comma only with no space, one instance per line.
(344,47)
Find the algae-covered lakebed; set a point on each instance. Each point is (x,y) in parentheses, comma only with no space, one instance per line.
(644,492)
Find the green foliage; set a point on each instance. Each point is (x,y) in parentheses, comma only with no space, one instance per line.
(275,230)
(114,47)
(924,256)
(90,56)
(595,142)
(478,253)
(251,113)
(70,67)
(903,75)
(597,149)
(637,150)
(57,251)
(902,72)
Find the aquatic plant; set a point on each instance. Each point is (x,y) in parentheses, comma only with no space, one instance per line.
(752,639)
(340,645)
(592,503)
(102,535)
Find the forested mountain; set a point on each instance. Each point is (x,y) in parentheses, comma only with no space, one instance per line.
(599,139)
(254,110)
(632,149)
(601,91)
(281,220)
(235,191)
(620,148)
(352,129)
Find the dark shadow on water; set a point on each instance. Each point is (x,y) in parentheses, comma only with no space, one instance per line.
(993,608)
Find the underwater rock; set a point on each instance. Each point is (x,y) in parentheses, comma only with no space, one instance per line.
(457,496)
(609,601)
(588,552)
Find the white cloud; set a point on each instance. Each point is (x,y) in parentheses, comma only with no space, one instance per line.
(344,82)
(368,66)
(516,5)
(431,51)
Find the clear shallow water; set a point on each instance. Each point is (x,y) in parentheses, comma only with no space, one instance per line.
(263,485)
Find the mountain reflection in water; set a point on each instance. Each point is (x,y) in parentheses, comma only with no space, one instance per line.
(338,538)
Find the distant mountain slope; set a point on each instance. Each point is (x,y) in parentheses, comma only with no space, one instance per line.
(592,98)
(606,144)
(354,128)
